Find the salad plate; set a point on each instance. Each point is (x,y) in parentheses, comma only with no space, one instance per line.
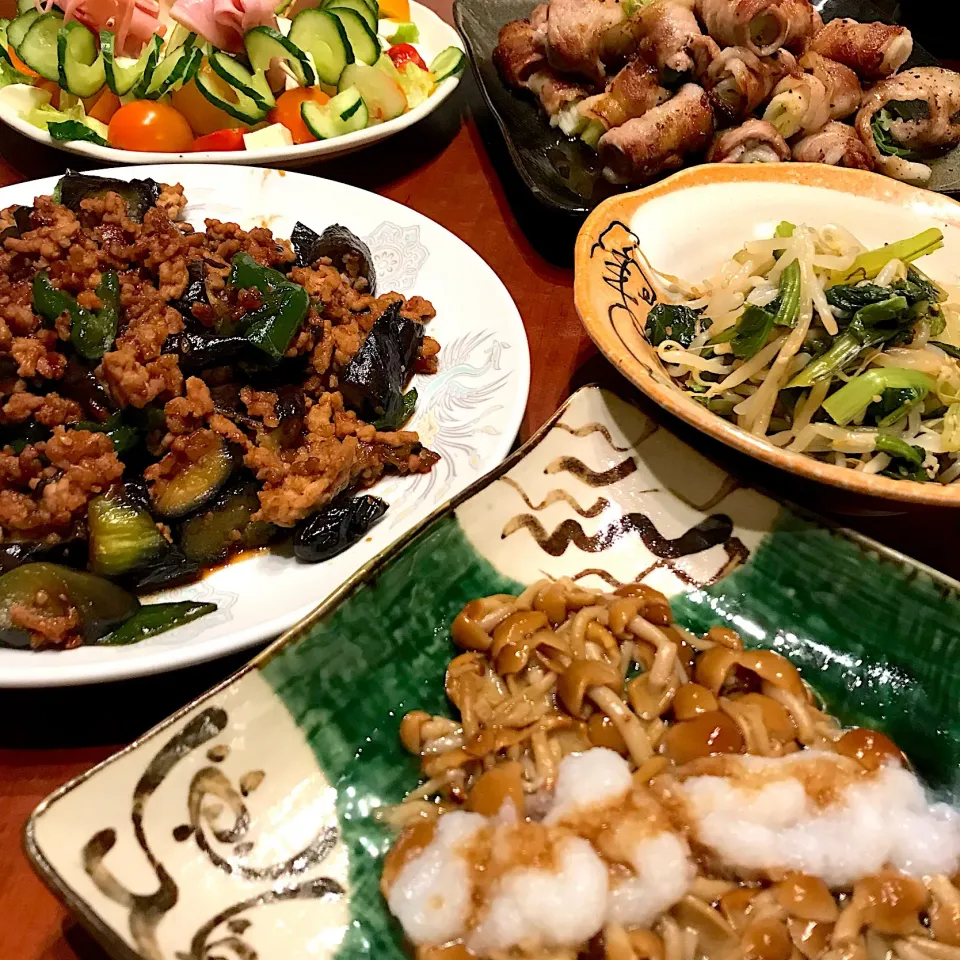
(433,38)
(631,244)
(247,823)
(468,412)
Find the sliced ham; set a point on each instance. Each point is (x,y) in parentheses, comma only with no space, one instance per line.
(224,22)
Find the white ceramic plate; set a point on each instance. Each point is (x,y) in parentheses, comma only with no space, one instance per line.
(435,35)
(468,412)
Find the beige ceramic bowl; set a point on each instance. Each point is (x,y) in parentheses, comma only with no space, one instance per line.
(688,224)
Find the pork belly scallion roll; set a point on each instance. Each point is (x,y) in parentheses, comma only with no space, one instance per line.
(523,65)
(762,26)
(873,50)
(739,81)
(517,54)
(560,98)
(673,40)
(584,36)
(836,144)
(911,117)
(630,94)
(660,139)
(755,141)
(805,102)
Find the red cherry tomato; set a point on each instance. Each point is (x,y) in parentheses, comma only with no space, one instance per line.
(405,53)
(150,125)
(220,140)
(287,111)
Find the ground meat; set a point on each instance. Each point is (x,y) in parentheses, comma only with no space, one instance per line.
(45,489)
(36,357)
(188,413)
(171,200)
(262,404)
(50,410)
(135,384)
(47,622)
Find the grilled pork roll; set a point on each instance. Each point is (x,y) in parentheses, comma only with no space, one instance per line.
(673,40)
(739,81)
(873,50)
(755,141)
(909,117)
(659,140)
(762,26)
(836,144)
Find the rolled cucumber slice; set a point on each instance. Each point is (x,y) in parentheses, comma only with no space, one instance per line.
(366,10)
(24,5)
(125,73)
(223,95)
(174,69)
(264,44)
(382,94)
(18,27)
(345,113)
(321,35)
(79,61)
(363,40)
(252,85)
(448,63)
(38,49)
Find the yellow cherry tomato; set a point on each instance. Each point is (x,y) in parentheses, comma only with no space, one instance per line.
(200,113)
(150,125)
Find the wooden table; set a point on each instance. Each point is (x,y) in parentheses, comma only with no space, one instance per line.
(453,168)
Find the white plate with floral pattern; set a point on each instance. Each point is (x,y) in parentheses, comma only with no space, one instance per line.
(469,412)
(435,36)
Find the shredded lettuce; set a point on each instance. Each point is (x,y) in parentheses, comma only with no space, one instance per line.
(406,33)
(46,115)
(417,84)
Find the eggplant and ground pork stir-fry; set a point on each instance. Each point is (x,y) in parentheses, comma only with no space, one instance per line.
(170,396)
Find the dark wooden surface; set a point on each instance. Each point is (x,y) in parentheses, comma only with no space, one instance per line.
(451,167)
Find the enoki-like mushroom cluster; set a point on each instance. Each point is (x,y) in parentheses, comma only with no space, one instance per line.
(560,670)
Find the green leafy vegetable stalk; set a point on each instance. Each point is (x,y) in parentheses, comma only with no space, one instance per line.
(672,321)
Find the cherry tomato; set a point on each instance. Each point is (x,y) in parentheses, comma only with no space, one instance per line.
(287,111)
(405,53)
(150,125)
(220,140)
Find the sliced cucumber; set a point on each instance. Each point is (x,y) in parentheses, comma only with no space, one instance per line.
(252,85)
(18,28)
(180,36)
(171,70)
(24,5)
(80,63)
(363,40)
(264,44)
(345,113)
(321,35)
(124,73)
(221,94)
(448,63)
(360,6)
(38,49)
(382,94)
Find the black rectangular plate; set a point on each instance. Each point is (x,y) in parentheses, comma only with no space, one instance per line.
(564,174)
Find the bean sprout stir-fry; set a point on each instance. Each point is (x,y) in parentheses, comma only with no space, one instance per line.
(615,787)
(823,347)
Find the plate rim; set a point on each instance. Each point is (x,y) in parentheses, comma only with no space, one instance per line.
(315,151)
(175,658)
(103,933)
(868,185)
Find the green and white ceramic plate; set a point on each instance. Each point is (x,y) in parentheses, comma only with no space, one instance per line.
(245,825)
